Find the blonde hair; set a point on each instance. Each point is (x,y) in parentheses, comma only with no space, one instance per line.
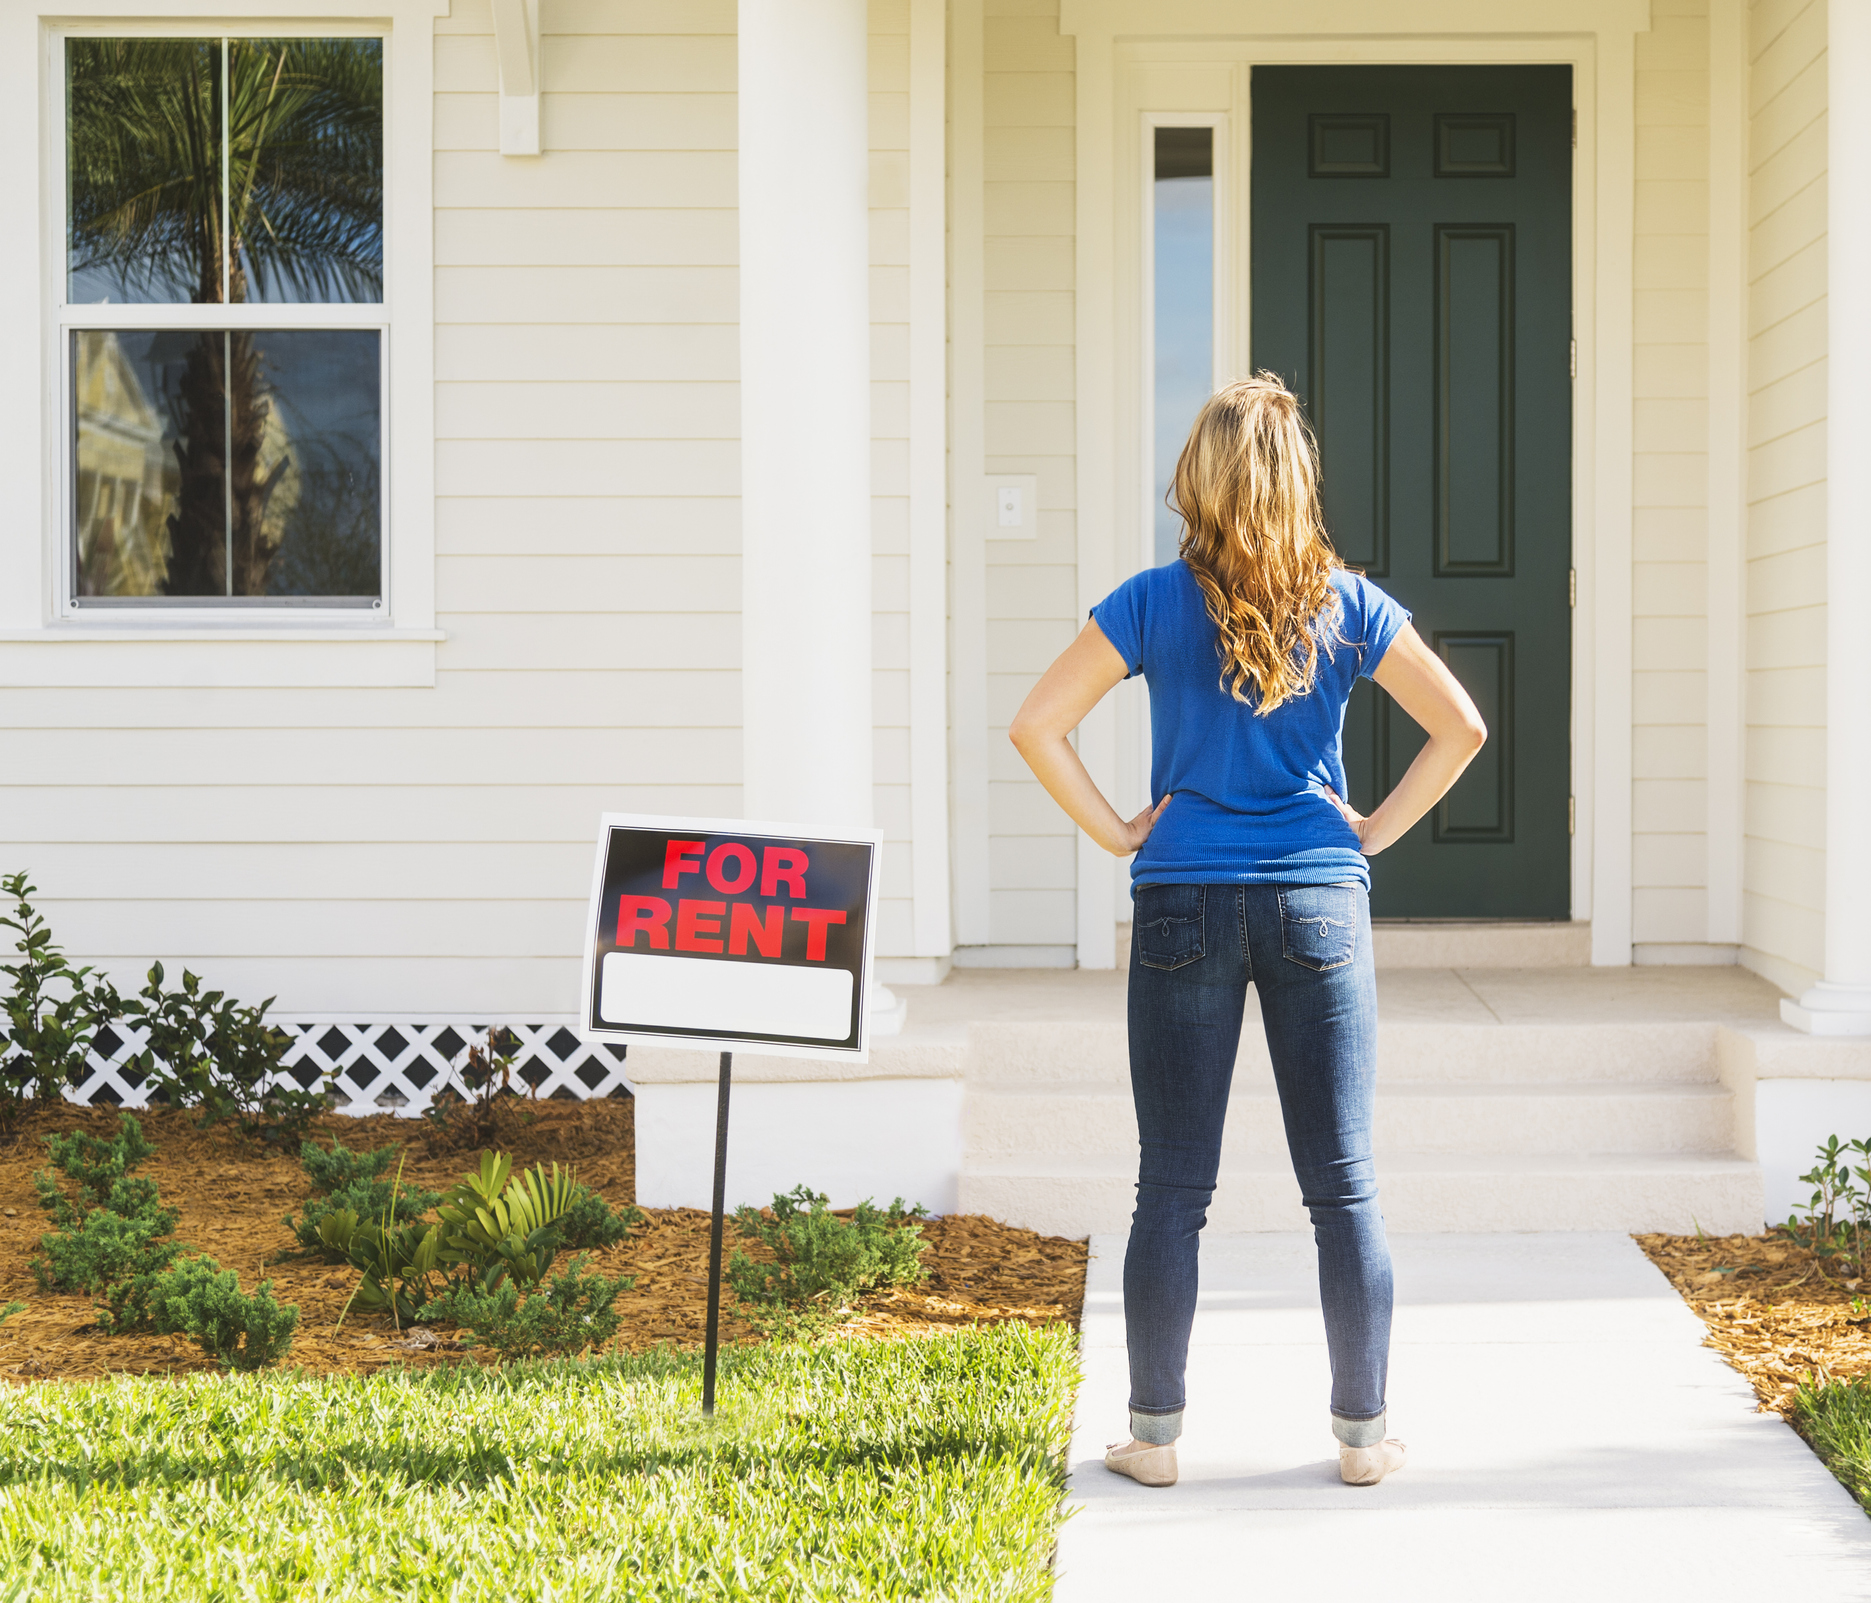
(1247,490)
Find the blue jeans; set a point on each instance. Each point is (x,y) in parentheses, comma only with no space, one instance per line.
(1307,950)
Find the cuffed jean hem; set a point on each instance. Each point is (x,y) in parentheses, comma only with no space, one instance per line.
(1359,1432)
(1159,1430)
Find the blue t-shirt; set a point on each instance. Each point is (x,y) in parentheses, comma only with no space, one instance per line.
(1249,807)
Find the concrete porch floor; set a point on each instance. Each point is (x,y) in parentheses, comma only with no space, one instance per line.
(1570,1437)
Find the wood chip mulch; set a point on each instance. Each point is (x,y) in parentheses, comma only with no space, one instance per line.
(1775,1310)
(233,1195)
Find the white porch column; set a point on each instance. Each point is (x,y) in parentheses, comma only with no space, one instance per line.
(805,411)
(1840,1004)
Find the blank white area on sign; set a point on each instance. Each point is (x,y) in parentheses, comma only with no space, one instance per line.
(851,1139)
(704,998)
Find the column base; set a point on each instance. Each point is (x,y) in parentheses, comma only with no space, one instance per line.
(1828,1009)
(888,1011)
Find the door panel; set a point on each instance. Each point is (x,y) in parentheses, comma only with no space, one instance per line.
(1411,233)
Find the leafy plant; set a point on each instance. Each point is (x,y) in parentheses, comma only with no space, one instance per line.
(365,1199)
(820,1261)
(397,1263)
(1837,1217)
(53,1012)
(463,1106)
(567,1314)
(220,1057)
(10,1310)
(199,1298)
(333,1170)
(497,1223)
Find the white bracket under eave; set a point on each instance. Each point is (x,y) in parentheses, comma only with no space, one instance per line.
(516,44)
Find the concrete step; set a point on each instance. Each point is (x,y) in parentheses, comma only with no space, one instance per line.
(1071,1195)
(1004,1118)
(1423,1051)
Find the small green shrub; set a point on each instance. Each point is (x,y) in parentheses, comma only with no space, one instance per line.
(566,1314)
(1837,1219)
(10,1310)
(200,1299)
(101,1249)
(821,1261)
(339,1167)
(52,1013)
(220,1057)
(590,1221)
(114,1229)
(96,1163)
(368,1199)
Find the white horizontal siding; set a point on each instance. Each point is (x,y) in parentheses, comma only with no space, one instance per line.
(1784,859)
(1669,578)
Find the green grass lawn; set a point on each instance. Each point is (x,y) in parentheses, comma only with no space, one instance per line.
(1836,1419)
(862,1470)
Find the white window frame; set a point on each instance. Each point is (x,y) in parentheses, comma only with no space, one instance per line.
(177,645)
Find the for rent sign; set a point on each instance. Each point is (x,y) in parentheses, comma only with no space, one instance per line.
(725,933)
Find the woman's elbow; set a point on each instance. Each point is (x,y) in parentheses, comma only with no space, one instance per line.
(1474,733)
(1022,733)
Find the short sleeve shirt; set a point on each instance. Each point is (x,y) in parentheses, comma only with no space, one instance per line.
(1250,804)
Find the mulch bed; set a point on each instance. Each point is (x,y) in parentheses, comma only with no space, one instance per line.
(234,1194)
(1775,1310)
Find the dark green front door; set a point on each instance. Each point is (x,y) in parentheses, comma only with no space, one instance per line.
(1412,281)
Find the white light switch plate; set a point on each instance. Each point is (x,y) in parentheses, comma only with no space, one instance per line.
(1010,506)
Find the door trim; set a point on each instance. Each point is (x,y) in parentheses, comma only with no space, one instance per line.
(1118,38)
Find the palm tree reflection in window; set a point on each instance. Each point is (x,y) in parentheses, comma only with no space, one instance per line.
(223,172)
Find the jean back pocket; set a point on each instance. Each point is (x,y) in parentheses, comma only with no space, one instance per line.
(1319,925)
(1168,924)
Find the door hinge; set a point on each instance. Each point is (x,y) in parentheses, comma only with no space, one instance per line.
(1575,127)
(1572,587)
(1575,358)
(1572,815)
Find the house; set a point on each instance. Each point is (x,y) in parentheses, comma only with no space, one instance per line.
(511,410)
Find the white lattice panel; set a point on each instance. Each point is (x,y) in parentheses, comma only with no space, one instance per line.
(384,1068)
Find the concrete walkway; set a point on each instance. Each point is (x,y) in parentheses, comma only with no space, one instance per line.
(1647,1475)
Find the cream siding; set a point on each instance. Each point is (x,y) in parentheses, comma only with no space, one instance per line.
(408,851)
(1784,864)
(1670,480)
(1029,422)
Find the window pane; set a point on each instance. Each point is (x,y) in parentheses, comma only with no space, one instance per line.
(302,182)
(148,496)
(308,513)
(143,157)
(1184,214)
(305,169)
(158,515)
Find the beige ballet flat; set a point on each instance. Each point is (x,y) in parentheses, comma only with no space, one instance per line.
(1148,1466)
(1366,1466)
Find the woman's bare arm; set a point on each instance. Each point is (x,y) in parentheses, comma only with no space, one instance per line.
(1425,689)
(1070,688)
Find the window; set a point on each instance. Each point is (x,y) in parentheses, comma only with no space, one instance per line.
(1183,229)
(222,322)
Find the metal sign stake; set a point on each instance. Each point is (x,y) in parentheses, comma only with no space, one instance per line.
(714,1236)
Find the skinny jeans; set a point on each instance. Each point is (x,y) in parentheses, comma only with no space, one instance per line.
(1307,951)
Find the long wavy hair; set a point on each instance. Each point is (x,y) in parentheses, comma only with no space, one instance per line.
(1247,490)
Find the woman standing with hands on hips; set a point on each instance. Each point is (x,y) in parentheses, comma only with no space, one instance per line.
(1251,869)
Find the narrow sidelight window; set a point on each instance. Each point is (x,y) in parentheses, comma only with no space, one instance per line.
(222,452)
(1183,204)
